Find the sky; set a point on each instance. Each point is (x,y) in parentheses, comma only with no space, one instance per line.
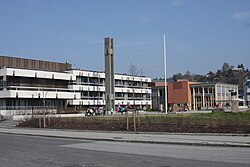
(200,34)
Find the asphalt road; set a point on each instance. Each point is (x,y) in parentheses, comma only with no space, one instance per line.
(23,151)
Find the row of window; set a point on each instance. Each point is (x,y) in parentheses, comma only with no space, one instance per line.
(117,94)
(101,81)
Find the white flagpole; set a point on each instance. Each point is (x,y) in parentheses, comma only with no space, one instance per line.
(165,68)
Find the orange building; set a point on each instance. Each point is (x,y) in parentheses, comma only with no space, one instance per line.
(179,94)
(186,95)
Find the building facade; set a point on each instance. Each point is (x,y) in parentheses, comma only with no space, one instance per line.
(158,95)
(91,86)
(179,94)
(246,87)
(58,86)
(185,95)
(29,88)
(207,96)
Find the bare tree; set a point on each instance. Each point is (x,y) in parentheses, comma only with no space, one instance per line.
(134,71)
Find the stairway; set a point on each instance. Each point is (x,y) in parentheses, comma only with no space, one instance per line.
(9,123)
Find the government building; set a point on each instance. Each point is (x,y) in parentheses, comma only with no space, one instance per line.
(27,83)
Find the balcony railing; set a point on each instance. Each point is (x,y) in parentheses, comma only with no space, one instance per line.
(36,89)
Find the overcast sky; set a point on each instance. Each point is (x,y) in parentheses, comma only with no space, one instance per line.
(201,34)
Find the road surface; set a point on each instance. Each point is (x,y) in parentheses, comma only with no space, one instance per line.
(23,151)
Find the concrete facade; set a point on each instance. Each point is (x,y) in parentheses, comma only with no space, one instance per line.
(91,86)
(23,89)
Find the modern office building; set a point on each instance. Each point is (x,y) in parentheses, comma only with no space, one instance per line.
(246,87)
(186,95)
(207,95)
(91,86)
(34,83)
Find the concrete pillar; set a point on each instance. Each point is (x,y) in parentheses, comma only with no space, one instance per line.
(235,106)
(4,82)
(194,108)
(109,74)
(203,97)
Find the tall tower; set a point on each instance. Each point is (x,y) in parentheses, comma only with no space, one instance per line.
(109,74)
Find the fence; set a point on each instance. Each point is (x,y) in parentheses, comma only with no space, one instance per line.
(25,110)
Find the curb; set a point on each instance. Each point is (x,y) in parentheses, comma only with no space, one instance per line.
(137,141)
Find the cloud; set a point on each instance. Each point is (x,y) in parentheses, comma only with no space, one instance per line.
(177,2)
(132,43)
(83,39)
(247,25)
(148,19)
(242,15)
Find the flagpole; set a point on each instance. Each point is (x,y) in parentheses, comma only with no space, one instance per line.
(165,69)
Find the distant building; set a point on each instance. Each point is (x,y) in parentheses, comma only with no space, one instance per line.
(246,87)
(238,69)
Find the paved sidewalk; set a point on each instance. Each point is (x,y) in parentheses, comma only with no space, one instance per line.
(228,140)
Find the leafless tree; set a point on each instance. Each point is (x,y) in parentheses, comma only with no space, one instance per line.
(134,71)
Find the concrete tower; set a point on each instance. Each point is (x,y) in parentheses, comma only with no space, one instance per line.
(109,74)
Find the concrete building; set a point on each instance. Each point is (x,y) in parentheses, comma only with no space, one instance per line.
(91,86)
(246,87)
(24,86)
